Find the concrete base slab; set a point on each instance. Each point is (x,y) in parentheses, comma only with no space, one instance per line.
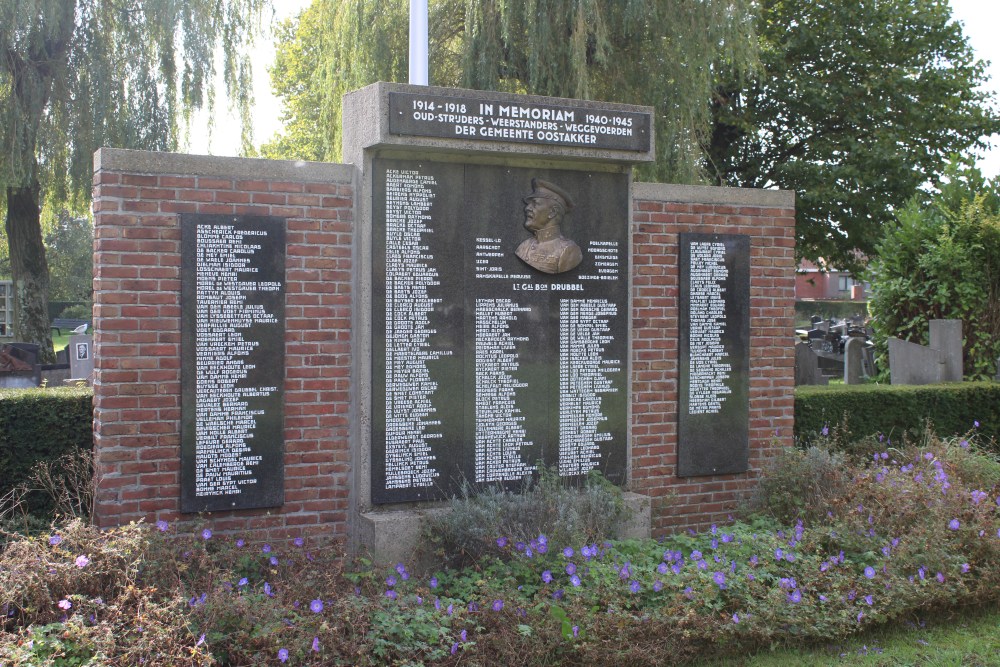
(393,536)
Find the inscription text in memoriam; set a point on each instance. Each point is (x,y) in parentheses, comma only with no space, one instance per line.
(232,362)
(713,424)
(483,366)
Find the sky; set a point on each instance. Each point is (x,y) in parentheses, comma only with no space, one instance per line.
(980,19)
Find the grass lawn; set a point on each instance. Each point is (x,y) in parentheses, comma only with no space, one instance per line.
(60,342)
(960,638)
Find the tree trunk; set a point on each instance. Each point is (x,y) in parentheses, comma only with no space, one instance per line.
(29,270)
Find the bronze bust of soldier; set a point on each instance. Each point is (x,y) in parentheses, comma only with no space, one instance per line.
(544,209)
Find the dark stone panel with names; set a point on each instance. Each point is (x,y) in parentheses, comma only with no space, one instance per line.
(483,366)
(714,420)
(232,362)
(446,116)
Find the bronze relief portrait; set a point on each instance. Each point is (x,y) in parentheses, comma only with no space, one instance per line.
(548,250)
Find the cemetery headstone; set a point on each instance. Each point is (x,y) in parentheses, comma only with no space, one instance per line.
(853,353)
(807,369)
(81,357)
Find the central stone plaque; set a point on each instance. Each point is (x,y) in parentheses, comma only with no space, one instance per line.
(500,325)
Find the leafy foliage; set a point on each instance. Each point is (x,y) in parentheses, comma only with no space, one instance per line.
(654,52)
(852,119)
(550,506)
(909,529)
(942,261)
(41,425)
(895,412)
(77,75)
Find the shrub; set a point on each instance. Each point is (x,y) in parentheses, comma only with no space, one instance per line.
(911,529)
(896,411)
(41,425)
(942,261)
(550,506)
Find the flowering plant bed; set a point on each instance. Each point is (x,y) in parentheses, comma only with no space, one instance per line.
(907,530)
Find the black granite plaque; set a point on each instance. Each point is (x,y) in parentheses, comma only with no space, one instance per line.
(430,115)
(484,366)
(713,425)
(232,362)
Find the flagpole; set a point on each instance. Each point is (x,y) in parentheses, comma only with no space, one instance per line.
(418,42)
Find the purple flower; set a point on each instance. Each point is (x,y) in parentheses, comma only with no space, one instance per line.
(778,554)
(162,525)
(201,640)
(870,572)
(861,615)
(454,648)
(657,585)
(240,543)
(54,540)
(391,594)
(316,606)
(547,576)
(82,561)
(570,568)
(501,542)
(568,552)
(954,524)
(966,567)
(266,548)
(634,586)
(298,541)
(975,423)
(206,534)
(400,569)
(390,581)
(434,582)
(576,631)
(315,646)
(274,560)
(464,634)
(542,539)
(795,596)
(497,605)
(65,604)
(662,568)
(695,555)
(720,580)
(283,654)
(575,580)
(940,577)
(267,589)
(242,582)
(736,618)
(868,600)
(825,431)
(450,610)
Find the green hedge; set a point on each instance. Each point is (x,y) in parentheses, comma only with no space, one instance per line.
(41,424)
(895,410)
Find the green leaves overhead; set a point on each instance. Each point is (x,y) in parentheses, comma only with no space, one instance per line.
(653,52)
(79,75)
(856,106)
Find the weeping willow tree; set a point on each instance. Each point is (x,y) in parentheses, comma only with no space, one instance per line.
(661,53)
(79,74)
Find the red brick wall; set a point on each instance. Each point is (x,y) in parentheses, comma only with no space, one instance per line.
(137,201)
(660,213)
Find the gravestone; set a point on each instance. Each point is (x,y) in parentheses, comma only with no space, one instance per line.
(853,356)
(941,361)
(807,369)
(81,357)
(946,336)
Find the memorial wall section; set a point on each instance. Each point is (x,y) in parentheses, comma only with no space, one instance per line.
(222,291)
(592,356)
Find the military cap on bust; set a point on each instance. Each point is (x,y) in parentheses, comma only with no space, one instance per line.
(545,190)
